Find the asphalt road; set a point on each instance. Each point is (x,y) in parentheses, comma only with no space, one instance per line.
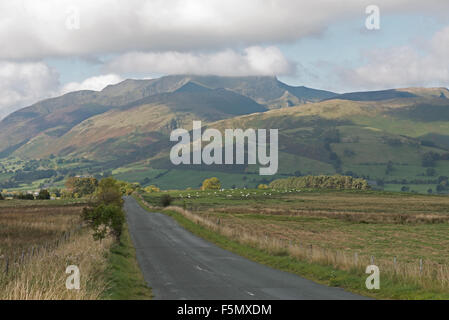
(178,265)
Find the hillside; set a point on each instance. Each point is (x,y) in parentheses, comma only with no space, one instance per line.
(383,136)
(56,117)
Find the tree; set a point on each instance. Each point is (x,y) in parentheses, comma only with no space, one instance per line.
(429,158)
(25,196)
(211,184)
(43,195)
(430,172)
(127,188)
(109,192)
(105,214)
(81,186)
(166,200)
(389,167)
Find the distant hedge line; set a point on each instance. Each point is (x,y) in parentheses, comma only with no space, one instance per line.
(321,182)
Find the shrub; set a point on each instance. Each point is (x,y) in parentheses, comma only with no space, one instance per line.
(1,197)
(43,195)
(105,219)
(211,184)
(262,187)
(166,200)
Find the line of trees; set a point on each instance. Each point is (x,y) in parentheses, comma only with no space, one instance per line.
(337,182)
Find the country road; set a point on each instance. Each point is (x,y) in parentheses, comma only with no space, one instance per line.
(179,265)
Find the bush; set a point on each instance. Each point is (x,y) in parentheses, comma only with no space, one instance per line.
(166,200)
(105,219)
(43,195)
(211,184)
(1,197)
(262,187)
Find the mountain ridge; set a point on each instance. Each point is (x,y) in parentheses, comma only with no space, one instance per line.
(129,124)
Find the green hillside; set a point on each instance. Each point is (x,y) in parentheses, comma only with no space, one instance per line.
(395,139)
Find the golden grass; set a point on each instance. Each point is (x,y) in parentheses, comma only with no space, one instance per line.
(37,244)
(43,276)
(26,227)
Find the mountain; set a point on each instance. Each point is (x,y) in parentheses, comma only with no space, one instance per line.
(124,129)
(395,94)
(213,97)
(387,141)
(268,91)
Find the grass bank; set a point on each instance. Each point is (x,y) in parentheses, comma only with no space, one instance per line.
(125,280)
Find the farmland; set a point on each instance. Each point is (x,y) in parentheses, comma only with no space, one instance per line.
(38,241)
(405,234)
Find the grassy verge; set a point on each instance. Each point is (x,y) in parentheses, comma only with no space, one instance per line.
(125,279)
(351,280)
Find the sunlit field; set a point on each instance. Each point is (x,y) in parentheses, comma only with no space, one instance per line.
(38,241)
(405,234)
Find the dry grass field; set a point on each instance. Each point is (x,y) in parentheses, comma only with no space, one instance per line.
(38,241)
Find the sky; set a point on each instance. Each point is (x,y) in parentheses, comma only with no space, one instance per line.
(51,47)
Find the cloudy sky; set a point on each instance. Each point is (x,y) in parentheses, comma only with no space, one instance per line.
(49,47)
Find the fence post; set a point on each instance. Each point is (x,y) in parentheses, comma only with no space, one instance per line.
(420,266)
(7,265)
(372,260)
(356,258)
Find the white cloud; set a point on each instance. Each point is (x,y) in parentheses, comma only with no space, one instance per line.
(36,29)
(252,61)
(97,83)
(402,66)
(22,84)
